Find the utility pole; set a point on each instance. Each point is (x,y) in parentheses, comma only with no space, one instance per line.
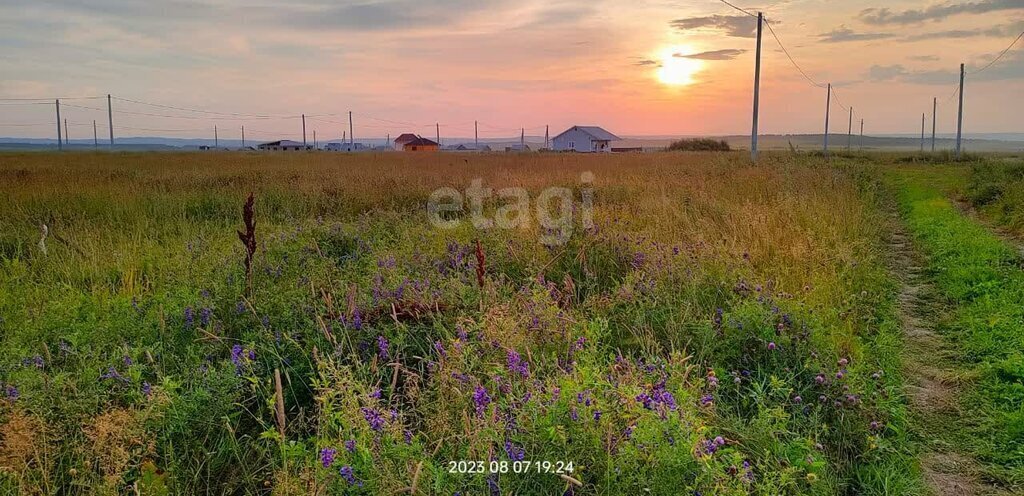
(547,141)
(60,136)
(438,128)
(476,135)
(303,131)
(522,140)
(960,113)
(110,121)
(314,140)
(922,132)
(243,136)
(351,134)
(862,134)
(935,104)
(95,137)
(828,106)
(216,140)
(67,136)
(757,89)
(849,130)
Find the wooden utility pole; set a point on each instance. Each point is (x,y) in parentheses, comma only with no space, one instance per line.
(960,113)
(110,120)
(314,140)
(67,135)
(849,130)
(828,105)
(351,133)
(95,137)
(60,135)
(922,132)
(303,131)
(243,136)
(476,135)
(522,139)
(935,105)
(438,128)
(547,141)
(757,89)
(216,141)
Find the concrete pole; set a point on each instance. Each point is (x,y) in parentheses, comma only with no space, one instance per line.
(547,140)
(60,135)
(849,130)
(243,136)
(862,134)
(935,105)
(828,105)
(314,139)
(438,128)
(757,89)
(960,113)
(95,137)
(110,120)
(216,140)
(67,135)
(922,132)
(522,140)
(351,134)
(303,131)
(476,135)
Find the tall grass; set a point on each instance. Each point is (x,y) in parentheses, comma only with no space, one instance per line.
(725,329)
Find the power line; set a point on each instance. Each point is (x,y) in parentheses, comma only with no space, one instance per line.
(1000,54)
(199,111)
(739,9)
(790,57)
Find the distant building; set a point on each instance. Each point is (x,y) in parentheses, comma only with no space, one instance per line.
(344,147)
(470,147)
(403,139)
(517,148)
(420,145)
(282,145)
(584,139)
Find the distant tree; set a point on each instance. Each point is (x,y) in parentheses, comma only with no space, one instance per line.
(699,145)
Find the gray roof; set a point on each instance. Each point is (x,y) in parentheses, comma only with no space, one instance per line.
(595,132)
(282,143)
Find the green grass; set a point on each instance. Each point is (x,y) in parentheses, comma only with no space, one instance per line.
(980,279)
(699,266)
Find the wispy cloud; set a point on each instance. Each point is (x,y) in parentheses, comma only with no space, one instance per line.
(1011,29)
(646,62)
(734,25)
(923,58)
(725,54)
(845,34)
(884,15)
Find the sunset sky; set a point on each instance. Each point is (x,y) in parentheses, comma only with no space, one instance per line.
(635,68)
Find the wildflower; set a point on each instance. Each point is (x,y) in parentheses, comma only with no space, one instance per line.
(573,414)
(375,393)
(797,399)
(875,425)
(771,346)
(597,414)
(843,362)
(514,452)
(382,348)
(127,360)
(492,485)
(327,457)
(357,320)
(516,365)
(113,375)
(407,435)
(350,445)
(439,348)
(877,375)
(204,316)
(707,400)
(240,307)
(461,333)
(481,399)
(820,378)
(840,374)
(189,317)
(373,418)
(237,358)
(147,390)
(11,392)
(349,476)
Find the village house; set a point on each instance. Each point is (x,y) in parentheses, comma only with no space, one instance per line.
(420,145)
(584,139)
(403,139)
(282,145)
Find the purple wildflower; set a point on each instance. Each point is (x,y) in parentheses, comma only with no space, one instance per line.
(147,390)
(382,348)
(373,418)
(327,457)
(349,476)
(439,348)
(204,316)
(771,346)
(350,445)
(11,392)
(516,365)
(514,452)
(189,317)
(481,399)
(375,393)
(597,414)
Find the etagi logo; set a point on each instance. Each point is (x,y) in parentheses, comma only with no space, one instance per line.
(554,208)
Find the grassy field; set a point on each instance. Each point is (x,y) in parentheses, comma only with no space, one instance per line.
(722,328)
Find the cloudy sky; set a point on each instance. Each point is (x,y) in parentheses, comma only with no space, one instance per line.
(635,67)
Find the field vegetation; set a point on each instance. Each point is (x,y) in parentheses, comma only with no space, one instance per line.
(722,329)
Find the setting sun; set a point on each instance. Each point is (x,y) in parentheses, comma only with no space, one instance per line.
(677,70)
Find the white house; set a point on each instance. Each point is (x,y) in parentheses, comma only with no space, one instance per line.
(335,146)
(584,139)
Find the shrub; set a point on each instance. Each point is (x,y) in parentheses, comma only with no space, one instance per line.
(699,145)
